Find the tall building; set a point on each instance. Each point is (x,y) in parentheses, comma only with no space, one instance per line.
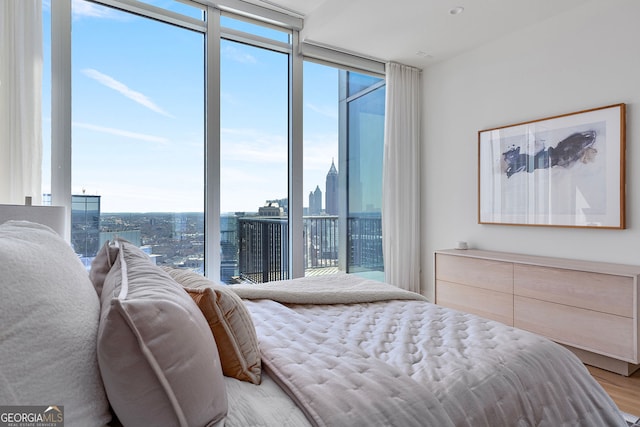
(283,203)
(331,191)
(263,249)
(229,246)
(315,201)
(270,209)
(85,224)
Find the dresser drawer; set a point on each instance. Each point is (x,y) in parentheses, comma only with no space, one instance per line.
(595,291)
(594,331)
(482,302)
(480,273)
(591,307)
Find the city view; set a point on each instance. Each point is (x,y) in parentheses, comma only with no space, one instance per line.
(253,244)
(141,158)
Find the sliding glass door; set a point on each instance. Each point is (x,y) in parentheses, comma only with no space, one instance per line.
(343,148)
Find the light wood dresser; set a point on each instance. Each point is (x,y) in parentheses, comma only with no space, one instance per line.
(590,307)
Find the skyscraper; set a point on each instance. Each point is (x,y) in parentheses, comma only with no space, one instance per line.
(331,191)
(315,201)
(85,224)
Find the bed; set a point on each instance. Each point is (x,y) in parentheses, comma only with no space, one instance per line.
(134,344)
(345,351)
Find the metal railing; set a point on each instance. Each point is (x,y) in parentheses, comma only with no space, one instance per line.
(320,234)
(263,245)
(263,249)
(365,243)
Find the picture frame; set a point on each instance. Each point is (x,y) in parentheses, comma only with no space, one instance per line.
(560,171)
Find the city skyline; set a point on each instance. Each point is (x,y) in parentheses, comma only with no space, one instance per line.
(331,180)
(139,109)
(315,205)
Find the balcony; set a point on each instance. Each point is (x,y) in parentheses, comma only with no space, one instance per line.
(263,246)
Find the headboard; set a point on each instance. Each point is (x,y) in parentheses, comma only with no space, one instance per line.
(51,216)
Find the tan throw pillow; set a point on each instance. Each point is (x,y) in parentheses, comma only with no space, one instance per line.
(230,324)
(157,356)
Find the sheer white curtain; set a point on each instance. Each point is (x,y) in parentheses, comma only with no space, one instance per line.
(20,100)
(401,177)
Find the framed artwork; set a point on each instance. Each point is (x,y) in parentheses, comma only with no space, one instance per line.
(562,171)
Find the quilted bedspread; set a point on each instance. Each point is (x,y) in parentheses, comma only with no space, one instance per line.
(405,362)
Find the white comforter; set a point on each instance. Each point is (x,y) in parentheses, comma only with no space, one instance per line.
(407,362)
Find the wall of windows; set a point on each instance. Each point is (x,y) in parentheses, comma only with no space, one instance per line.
(185,122)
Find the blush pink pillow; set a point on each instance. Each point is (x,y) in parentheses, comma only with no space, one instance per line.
(158,358)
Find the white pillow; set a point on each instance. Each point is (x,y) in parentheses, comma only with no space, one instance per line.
(49,315)
(156,352)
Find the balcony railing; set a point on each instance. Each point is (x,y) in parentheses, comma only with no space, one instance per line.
(365,243)
(263,253)
(263,245)
(320,234)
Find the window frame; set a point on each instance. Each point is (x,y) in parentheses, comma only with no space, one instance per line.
(210,26)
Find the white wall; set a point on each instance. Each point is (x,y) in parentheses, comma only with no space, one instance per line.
(584,59)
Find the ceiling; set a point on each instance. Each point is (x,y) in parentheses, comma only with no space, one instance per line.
(416,32)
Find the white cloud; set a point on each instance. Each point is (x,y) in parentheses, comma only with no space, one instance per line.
(123,89)
(82,8)
(238,56)
(331,111)
(246,189)
(320,148)
(120,132)
(253,168)
(228,99)
(253,146)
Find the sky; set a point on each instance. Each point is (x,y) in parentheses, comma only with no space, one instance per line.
(138,115)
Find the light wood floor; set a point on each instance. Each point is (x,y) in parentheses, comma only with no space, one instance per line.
(625,391)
